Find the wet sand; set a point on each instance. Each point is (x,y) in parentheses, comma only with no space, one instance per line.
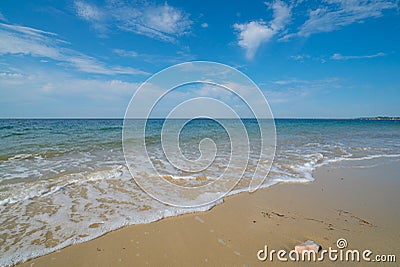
(358,201)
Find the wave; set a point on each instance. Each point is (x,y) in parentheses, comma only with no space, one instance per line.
(43,188)
(43,155)
(111,128)
(6,127)
(295,173)
(13,134)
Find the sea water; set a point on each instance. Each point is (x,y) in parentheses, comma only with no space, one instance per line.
(65,181)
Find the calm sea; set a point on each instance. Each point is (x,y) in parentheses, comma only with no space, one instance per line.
(65,181)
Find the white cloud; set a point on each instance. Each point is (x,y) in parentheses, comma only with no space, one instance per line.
(92,14)
(159,21)
(125,53)
(252,34)
(165,19)
(87,11)
(304,57)
(162,22)
(179,57)
(59,94)
(282,15)
(295,81)
(11,74)
(16,39)
(91,65)
(301,57)
(338,56)
(60,83)
(335,14)
(204,25)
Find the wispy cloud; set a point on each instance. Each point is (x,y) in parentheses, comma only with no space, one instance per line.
(91,65)
(338,56)
(10,74)
(91,13)
(305,57)
(252,34)
(300,57)
(290,90)
(15,39)
(51,92)
(159,21)
(88,11)
(179,57)
(335,14)
(125,53)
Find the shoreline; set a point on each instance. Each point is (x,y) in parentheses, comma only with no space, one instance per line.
(231,232)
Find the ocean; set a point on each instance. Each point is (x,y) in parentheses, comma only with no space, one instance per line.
(65,181)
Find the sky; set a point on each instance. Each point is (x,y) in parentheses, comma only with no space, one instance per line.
(311,59)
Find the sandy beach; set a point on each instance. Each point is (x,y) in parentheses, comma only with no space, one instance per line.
(357,201)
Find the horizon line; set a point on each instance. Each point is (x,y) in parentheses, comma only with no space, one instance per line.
(180,118)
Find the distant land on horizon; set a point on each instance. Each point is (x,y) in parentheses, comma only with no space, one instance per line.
(380,118)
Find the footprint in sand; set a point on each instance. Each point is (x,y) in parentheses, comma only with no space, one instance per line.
(223,242)
(220,240)
(271,214)
(197,218)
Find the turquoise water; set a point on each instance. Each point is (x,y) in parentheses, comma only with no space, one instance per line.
(66,181)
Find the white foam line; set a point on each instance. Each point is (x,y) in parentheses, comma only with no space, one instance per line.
(364,158)
(309,168)
(94,177)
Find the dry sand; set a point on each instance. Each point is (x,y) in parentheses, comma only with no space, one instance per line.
(358,201)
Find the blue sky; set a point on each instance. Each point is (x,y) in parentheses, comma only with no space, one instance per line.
(310,58)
